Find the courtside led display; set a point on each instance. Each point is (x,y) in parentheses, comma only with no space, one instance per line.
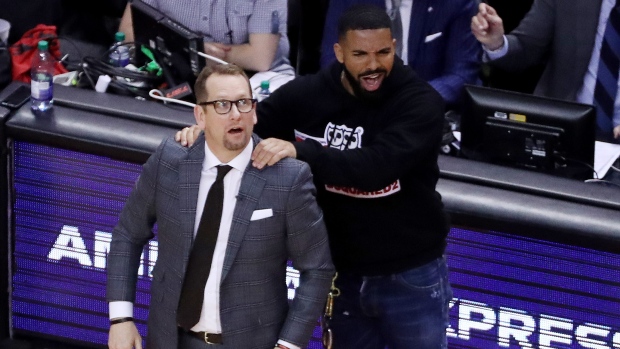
(509,291)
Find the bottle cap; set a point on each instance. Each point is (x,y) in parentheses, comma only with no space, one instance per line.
(102,83)
(264,84)
(119,37)
(43,45)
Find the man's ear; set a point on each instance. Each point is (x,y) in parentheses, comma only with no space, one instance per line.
(339,53)
(199,115)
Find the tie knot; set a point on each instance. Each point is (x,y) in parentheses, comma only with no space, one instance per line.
(222,170)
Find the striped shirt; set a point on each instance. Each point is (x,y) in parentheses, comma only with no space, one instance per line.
(232,21)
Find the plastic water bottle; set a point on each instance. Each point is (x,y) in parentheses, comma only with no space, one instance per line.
(264,90)
(42,75)
(119,53)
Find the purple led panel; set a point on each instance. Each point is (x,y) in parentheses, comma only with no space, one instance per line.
(509,291)
(517,292)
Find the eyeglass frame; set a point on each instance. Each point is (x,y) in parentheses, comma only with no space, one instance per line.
(236,103)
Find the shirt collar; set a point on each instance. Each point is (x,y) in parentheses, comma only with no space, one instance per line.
(240,162)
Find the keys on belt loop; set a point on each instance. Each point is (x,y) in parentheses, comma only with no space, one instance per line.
(333,292)
(327,315)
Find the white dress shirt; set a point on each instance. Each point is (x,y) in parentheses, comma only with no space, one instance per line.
(586,92)
(210,316)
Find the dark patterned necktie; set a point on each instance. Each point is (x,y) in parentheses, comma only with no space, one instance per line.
(397,26)
(199,265)
(607,75)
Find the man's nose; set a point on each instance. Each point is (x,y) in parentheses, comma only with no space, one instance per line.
(234,112)
(373,62)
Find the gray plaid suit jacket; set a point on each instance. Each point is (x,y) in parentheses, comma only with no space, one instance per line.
(254,308)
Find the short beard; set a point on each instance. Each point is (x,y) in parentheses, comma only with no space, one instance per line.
(235,146)
(356,86)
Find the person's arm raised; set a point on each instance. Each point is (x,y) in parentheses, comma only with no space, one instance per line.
(488,27)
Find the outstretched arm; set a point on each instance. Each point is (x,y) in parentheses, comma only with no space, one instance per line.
(488,27)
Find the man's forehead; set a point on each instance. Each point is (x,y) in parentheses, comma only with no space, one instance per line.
(220,84)
(357,37)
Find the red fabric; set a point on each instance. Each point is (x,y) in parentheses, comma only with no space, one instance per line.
(24,50)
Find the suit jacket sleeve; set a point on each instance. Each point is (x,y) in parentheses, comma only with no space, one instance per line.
(411,139)
(530,42)
(308,248)
(461,61)
(132,233)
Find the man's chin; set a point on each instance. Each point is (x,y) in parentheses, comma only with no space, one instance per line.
(372,96)
(236,144)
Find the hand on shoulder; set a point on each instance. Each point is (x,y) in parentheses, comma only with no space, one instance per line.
(188,135)
(271,150)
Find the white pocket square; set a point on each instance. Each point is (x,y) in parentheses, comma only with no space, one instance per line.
(261,214)
(432,37)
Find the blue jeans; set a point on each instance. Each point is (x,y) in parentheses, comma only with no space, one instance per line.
(408,310)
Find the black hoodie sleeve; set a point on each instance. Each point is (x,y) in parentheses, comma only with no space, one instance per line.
(411,140)
(406,131)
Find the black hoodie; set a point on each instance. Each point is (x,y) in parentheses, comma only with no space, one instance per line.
(374,164)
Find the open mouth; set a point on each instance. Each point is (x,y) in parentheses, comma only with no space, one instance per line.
(235,130)
(371,82)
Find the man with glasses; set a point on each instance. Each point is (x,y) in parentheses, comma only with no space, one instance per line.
(370,129)
(236,297)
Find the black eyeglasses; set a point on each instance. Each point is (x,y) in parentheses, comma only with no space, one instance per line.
(223,106)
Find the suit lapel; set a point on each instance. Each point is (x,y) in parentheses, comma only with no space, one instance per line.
(189,181)
(417,29)
(250,190)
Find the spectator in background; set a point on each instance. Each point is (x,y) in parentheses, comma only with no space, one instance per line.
(436,41)
(251,34)
(570,37)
